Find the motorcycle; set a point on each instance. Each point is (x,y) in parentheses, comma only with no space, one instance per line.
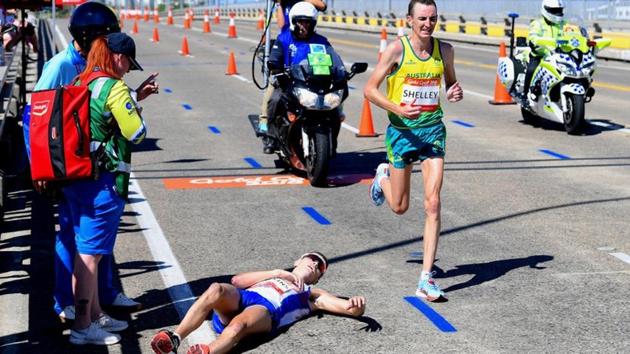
(561,84)
(308,120)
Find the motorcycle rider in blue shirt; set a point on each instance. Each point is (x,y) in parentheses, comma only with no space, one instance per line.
(291,47)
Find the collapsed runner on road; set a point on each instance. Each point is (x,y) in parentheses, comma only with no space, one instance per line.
(414,67)
(258,302)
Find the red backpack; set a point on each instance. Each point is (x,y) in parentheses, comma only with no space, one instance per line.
(60,133)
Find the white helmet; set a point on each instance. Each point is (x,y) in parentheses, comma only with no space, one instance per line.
(553,10)
(302,11)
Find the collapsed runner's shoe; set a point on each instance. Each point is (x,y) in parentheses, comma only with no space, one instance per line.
(165,342)
(123,301)
(376,192)
(199,349)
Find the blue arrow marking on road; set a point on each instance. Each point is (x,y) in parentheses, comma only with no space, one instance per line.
(215,130)
(316,216)
(252,162)
(168,90)
(463,124)
(554,154)
(186,106)
(439,321)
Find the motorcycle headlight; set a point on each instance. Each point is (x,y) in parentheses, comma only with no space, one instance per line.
(307,98)
(332,100)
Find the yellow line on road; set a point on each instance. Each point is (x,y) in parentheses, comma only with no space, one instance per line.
(611,86)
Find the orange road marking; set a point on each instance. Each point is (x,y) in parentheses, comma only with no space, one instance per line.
(256,181)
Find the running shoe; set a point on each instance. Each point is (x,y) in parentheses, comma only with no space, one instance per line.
(165,342)
(123,301)
(199,349)
(93,335)
(111,324)
(376,193)
(428,290)
(67,314)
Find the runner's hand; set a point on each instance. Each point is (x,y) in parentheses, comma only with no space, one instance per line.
(356,301)
(410,112)
(455,92)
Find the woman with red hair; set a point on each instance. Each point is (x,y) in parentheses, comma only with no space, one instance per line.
(96,205)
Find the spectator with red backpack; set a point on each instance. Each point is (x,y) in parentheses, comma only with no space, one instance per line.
(96,205)
(88,21)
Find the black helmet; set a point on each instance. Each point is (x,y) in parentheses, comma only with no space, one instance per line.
(91,20)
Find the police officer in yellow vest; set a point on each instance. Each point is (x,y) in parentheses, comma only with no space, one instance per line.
(414,67)
(550,25)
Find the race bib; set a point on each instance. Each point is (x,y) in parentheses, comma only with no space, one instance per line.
(421,92)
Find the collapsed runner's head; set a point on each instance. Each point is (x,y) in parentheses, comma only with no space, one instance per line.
(311,267)
(303,17)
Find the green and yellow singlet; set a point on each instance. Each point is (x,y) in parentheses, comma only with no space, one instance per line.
(417,82)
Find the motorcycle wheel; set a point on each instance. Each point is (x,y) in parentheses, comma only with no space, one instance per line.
(574,118)
(317,161)
(529,117)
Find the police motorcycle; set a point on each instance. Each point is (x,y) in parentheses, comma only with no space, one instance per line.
(308,119)
(561,84)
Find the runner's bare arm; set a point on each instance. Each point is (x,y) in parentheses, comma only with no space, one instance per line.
(454,91)
(319,4)
(324,301)
(389,59)
(245,280)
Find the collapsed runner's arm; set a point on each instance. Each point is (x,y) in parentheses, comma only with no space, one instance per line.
(324,301)
(247,279)
(123,108)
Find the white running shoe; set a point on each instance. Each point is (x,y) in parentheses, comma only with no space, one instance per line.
(67,314)
(93,335)
(122,300)
(106,323)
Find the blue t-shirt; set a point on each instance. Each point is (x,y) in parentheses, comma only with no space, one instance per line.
(295,50)
(61,69)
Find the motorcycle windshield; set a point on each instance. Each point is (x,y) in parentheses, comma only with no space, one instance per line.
(322,69)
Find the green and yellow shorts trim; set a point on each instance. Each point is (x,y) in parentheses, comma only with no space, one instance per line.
(405,146)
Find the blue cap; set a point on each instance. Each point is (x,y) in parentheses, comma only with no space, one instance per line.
(121,43)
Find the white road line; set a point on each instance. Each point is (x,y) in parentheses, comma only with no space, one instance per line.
(172,276)
(244,79)
(599,124)
(621,256)
(473,93)
(350,128)
(62,38)
(624,130)
(592,273)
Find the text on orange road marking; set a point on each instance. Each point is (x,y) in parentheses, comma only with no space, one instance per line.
(255,181)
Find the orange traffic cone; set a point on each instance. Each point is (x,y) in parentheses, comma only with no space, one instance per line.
(185,50)
(232,28)
(383,45)
(261,22)
(135,27)
(366,126)
(206,22)
(169,19)
(156,16)
(217,18)
(231,68)
(156,35)
(501,96)
(146,14)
